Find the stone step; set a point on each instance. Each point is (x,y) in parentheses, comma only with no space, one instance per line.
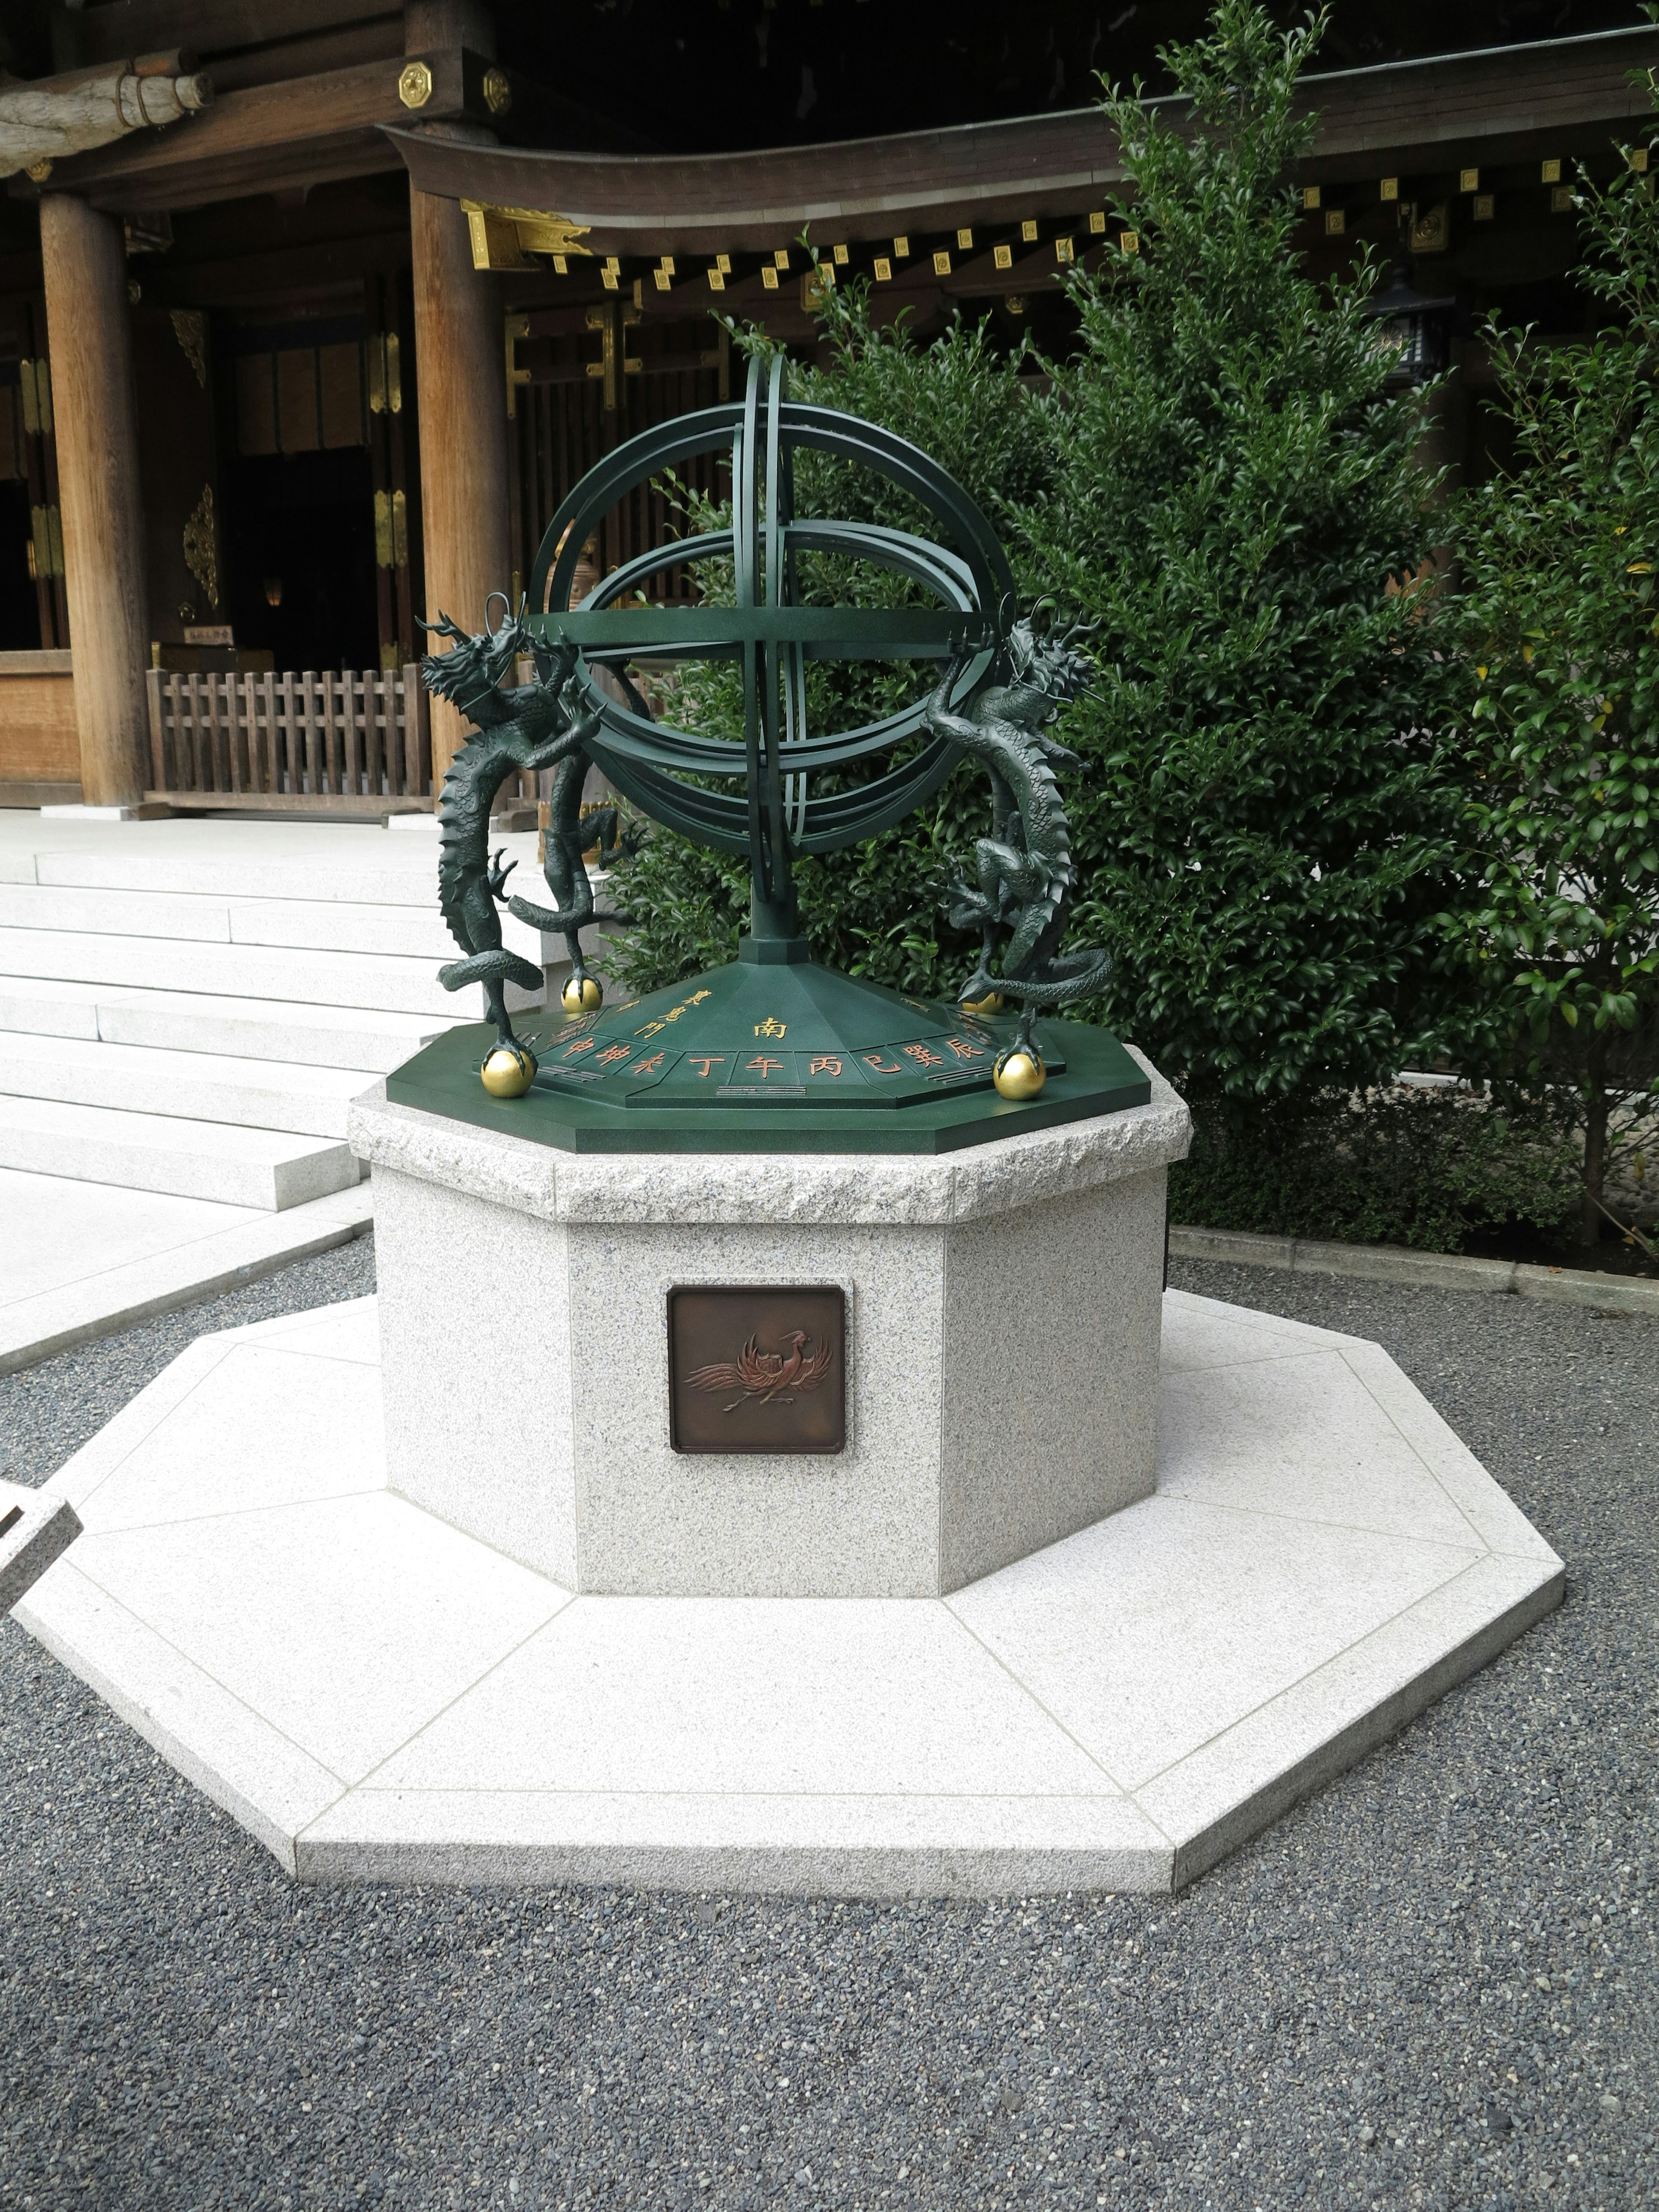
(196,1021)
(196,1086)
(115,912)
(313,925)
(262,1168)
(382,980)
(244,860)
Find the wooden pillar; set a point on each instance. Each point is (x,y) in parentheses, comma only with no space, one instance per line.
(458,361)
(89,339)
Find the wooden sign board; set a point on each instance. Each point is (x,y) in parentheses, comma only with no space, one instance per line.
(757,1368)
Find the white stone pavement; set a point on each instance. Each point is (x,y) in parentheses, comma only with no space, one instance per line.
(379,1697)
(81,1260)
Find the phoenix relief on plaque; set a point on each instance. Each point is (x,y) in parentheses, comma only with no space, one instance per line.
(757,1368)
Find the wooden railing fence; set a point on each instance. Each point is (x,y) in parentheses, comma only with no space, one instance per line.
(356,743)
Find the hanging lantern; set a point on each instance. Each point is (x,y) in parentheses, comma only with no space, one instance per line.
(1415,330)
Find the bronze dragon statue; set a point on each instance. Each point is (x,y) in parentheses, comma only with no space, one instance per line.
(570,834)
(522,728)
(1026,877)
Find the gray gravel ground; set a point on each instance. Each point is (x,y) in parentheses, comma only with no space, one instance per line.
(1433,1984)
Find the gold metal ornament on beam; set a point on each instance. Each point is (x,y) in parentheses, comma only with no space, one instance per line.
(504,238)
(497,90)
(1430,229)
(415,84)
(516,327)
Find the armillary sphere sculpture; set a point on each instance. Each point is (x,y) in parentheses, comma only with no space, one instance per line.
(772,1050)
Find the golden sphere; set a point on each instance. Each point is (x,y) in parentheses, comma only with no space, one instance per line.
(580,997)
(508,1070)
(1019,1075)
(990,1004)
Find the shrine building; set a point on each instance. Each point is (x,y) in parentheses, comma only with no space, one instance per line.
(311,311)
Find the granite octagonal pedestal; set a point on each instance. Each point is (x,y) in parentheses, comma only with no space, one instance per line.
(1104,1578)
(1001,1349)
(377,1696)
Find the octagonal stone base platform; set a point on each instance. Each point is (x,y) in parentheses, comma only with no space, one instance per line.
(378,1696)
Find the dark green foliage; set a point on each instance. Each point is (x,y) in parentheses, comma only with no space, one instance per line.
(1393,1166)
(1265,827)
(1560,625)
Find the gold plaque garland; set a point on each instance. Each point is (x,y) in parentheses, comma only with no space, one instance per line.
(504,238)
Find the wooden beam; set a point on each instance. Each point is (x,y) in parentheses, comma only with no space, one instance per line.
(206,184)
(296,115)
(286,802)
(113,32)
(171,281)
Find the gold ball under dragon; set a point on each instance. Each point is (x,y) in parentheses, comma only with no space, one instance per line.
(580,997)
(1019,1075)
(508,1072)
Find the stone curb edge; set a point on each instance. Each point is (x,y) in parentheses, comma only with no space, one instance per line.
(1438,1271)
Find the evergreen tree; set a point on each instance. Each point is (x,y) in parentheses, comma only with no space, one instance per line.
(1561,625)
(1266,824)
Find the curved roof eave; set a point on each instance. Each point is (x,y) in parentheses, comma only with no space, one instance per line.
(639,203)
(1052,163)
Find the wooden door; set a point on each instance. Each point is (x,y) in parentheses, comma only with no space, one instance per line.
(178,469)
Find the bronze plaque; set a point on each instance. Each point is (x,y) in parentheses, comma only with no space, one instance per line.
(757,1369)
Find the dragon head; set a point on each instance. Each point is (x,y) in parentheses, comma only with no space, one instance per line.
(475,665)
(1050,667)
